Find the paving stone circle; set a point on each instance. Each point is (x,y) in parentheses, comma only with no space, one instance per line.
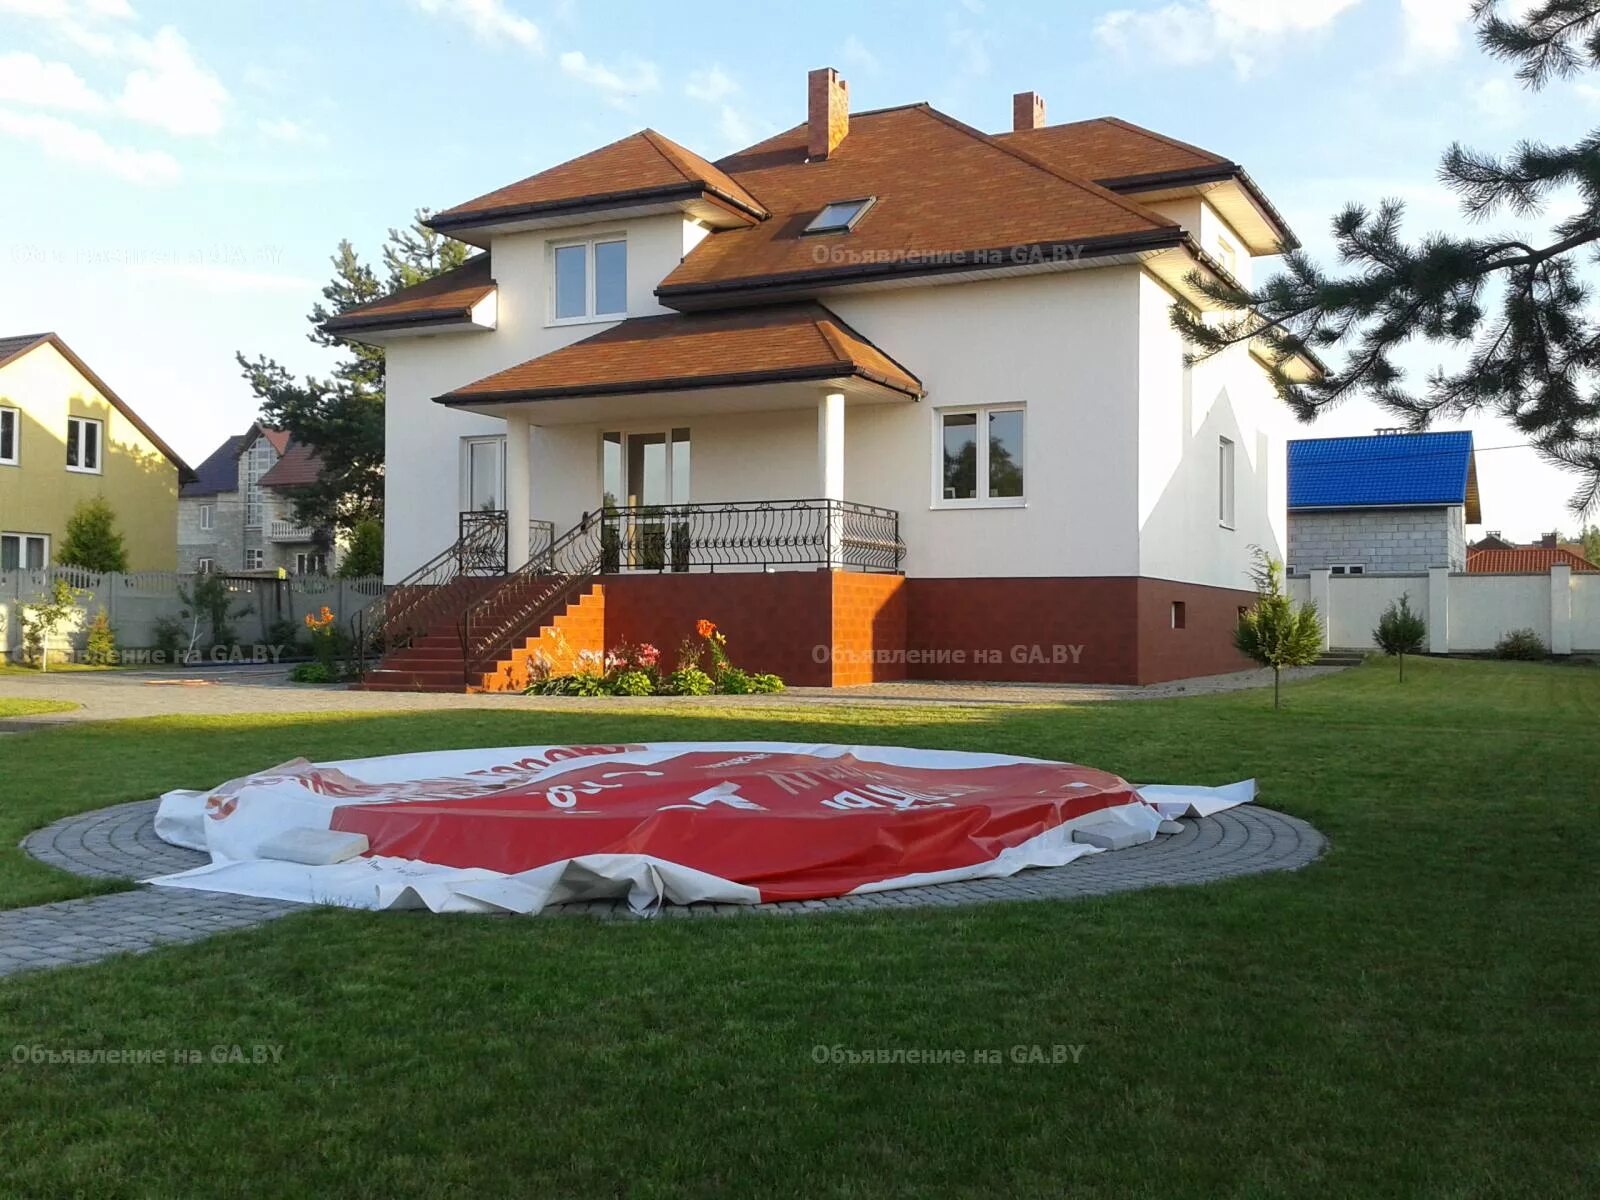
(121,843)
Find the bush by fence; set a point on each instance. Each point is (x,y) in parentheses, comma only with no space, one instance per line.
(138,602)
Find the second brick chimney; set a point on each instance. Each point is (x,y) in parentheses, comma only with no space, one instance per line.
(1027,111)
(827,111)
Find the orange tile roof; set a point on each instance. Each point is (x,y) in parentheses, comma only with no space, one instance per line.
(1108,148)
(674,352)
(1526,558)
(640,166)
(444,298)
(946,196)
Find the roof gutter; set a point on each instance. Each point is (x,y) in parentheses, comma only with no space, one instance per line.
(728,379)
(783,286)
(447,223)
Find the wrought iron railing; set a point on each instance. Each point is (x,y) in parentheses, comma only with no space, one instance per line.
(435,591)
(758,534)
(491,623)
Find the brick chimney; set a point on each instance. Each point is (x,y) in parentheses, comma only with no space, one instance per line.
(1027,111)
(1550,540)
(827,111)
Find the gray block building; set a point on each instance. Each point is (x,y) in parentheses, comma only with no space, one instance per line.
(1387,503)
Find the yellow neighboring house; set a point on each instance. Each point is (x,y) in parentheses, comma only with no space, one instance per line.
(66,437)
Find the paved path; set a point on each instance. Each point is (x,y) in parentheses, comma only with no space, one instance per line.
(112,695)
(120,842)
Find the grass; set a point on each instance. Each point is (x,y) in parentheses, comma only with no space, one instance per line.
(1415,1015)
(32,708)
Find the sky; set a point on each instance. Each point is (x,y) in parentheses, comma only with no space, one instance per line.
(174,176)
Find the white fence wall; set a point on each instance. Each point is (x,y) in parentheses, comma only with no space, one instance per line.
(134,602)
(1466,613)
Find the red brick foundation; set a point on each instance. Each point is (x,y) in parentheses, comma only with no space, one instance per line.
(817,628)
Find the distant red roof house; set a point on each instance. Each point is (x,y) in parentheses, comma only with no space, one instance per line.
(1524,559)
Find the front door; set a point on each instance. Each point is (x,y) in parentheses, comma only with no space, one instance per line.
(485,475)
(646,476)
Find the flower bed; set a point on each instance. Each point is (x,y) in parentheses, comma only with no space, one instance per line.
(702,668)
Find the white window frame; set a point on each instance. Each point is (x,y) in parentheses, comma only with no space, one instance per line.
(1227,483)
(591,279)
(22,546)
(208,517)
(99,445)
(205,566)
(983,499)
(1228,255)
(1347,569)
(259,458)
(255,559)
(15,458)
(467,443)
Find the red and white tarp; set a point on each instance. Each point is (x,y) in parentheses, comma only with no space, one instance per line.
(518,828)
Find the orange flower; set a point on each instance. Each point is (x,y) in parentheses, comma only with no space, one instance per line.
(705,628)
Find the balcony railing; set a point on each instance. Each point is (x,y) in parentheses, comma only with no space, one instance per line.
(288,531)
(751,534)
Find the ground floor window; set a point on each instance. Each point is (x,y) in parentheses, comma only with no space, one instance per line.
(979,455)
(645,467)
(24,551)
(483,475)
(205,566)
(310,563)
(255,559)
(1348,569)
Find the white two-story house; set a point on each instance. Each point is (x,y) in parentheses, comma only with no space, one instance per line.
(883,395)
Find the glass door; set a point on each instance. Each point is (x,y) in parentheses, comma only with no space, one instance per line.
(646,486)
(485,475)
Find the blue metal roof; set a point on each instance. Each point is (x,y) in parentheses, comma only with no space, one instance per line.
(1382,470)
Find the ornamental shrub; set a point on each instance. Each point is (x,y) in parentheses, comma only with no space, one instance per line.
(100,646)
(633,682)
(1522,644)
(688,681)
(1400,631)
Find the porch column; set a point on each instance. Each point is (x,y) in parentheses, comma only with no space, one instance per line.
(519,470)
(830,469)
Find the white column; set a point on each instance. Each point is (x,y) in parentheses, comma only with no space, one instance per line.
(1322,597)
(1438,610)
(519,489)
(1561,609)
(830,468)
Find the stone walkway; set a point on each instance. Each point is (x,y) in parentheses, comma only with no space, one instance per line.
(120,843)
(114,695)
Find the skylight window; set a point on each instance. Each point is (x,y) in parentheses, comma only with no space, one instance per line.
(840,216)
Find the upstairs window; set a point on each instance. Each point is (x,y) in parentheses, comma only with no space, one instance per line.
(840,216)
(83,444)
(259,459)
(1225,512)
(590,280)
(208,516)
(980,456)
(8,436)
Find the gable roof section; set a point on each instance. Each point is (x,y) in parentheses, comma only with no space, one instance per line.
(1390,470)
(702,350)
(298,466)
(12,348)
(1526,558)
(642,167)
(947,197)
(1131,159)
(446,298)
(1104,148)
(219,473)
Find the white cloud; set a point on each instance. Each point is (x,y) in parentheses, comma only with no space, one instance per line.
(27,79)
(1498,102)
(1189,32)
(282,129)
(1434,28)
(710,85)
(854,53)
(73,143)
(737,130)
(635,78)
(489,20)
(970,43)
(170,89)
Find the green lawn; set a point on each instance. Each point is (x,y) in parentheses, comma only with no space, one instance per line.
(32,708)
(1418,1014)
